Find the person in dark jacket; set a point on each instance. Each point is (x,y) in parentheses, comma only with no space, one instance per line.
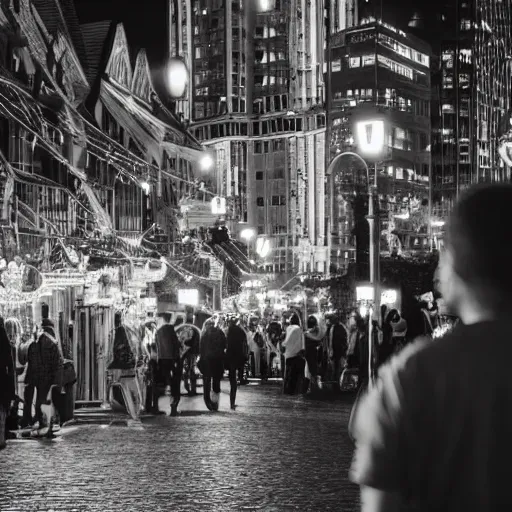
(7,382)
(235,355)
(211,362)
(337,348)
(169,359)
(44,366)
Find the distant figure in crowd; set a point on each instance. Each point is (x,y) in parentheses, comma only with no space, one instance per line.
(169,359)
(151,374)
(189,337)
(294,350)
(313,336)
(122,353)
(44,367)
(337,345)
(7,382)
(387,347)
(211,362)
(435,432)
(236,353)
(357,353)
(253,340)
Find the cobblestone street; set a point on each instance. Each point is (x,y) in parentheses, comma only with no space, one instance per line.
(274,453)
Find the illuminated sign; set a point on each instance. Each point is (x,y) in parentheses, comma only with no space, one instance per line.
(188,297)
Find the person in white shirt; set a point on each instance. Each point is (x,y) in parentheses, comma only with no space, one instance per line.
(293,346)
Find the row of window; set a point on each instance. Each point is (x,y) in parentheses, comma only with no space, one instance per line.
(369,60)
(274,103)
(277,174)
(203,109)
(274,201)
(259,128)
(392,98)
(267,146)
(404,51)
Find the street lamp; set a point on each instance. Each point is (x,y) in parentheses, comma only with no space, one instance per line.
(248,234)
(177,78)
(263,247)
(206,162)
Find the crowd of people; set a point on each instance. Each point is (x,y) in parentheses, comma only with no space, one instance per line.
(176,350)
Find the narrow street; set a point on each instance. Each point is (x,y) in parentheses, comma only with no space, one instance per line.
(274,453)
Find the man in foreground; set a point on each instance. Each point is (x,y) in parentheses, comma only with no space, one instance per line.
(435,431)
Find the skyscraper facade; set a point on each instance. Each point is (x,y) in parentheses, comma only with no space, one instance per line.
(256,99)
(471,101)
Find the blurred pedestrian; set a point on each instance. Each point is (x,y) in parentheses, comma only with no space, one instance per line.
(294,351)
(7,382)
(211,362)
(435,431)
(236,343)
(44,368)
(337,345)
(169,359)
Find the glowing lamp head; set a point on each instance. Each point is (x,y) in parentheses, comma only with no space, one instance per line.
(263,247)
(206,162)
(177,78)
(264,5)
(247,234)
(370,137)
(145,186)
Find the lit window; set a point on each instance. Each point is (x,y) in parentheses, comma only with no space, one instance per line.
(368,60)
(355,62)
(336,65)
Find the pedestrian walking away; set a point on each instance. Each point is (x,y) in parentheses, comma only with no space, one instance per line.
(235,355)
(434,433)
(169,359)
(211,361)
(44,367)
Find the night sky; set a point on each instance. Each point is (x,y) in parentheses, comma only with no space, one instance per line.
(146,22)
(146,27)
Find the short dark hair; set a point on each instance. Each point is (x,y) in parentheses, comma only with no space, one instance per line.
(295,320)
(166,317)
(479,238)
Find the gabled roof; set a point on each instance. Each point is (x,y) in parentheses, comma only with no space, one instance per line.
(95,36)
(73,24)
(61,14)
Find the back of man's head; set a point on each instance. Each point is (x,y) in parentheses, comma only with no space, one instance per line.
(166,317)
(479,239)
(294,320)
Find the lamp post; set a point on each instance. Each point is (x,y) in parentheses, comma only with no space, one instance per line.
(369,136)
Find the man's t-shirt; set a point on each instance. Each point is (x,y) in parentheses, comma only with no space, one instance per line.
(438,425)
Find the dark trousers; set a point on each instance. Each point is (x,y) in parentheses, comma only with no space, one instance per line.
(28,398)
(233,369)
(152,393)
(210,382)
(173,370)
(189,373)
(312,359)
(293,374)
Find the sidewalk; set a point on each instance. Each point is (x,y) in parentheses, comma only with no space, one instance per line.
(275,453)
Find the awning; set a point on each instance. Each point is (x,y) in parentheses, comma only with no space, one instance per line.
(143,126)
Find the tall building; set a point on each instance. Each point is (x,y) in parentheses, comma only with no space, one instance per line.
(472,85)
(256,99)
(379,72)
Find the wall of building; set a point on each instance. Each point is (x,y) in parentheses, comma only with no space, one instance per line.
(384,72)
(266,94)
